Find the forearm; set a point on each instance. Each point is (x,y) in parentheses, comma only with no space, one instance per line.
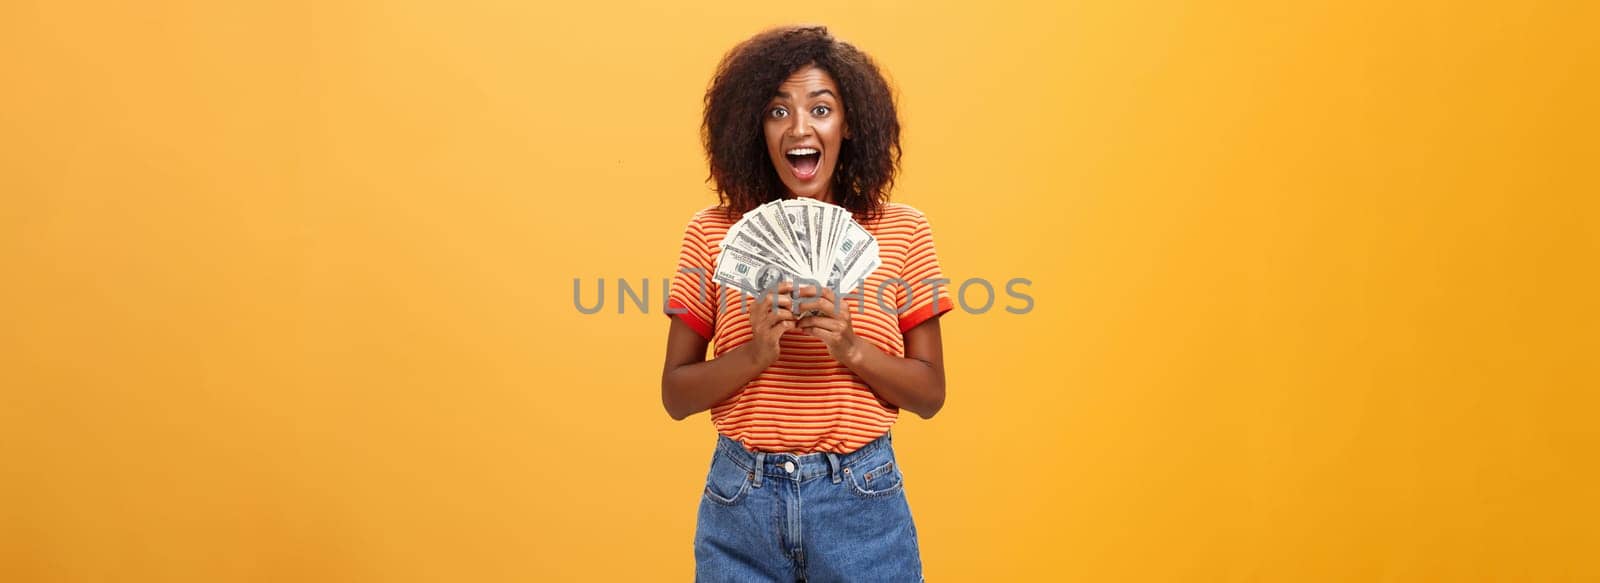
(908,383)
(691,388)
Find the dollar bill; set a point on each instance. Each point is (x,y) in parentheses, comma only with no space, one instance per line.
(801,240)
(750,274)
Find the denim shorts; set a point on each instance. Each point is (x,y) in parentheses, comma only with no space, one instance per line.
(817,517)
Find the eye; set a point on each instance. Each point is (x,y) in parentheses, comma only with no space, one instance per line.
(778,113)
(821,110)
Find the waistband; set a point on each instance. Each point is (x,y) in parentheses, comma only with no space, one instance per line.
(799,467)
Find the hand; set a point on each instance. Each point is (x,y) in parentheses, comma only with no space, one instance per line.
(770,316)
(830,323)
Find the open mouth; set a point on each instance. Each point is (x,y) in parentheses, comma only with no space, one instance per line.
(803,162)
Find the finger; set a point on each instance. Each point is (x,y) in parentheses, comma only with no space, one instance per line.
(784,315)
(784,287)
(783,302)
(825,335)
(834,306)
(825,306)
(803,304)
(807,291)
(817,302)
(817,306)
(822,322)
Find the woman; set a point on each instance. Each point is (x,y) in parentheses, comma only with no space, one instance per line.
(803,483)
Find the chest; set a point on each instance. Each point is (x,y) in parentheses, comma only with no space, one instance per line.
(874,308)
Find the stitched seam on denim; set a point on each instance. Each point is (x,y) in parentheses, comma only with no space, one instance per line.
(799,542)
(856,482)
(744,459)
(717,498)
(746,464)
(732,446)
(860,466)
(856,488)
(744,488)
(780,511)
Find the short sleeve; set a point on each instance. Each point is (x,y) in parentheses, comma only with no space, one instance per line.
(692,296)
(923,297)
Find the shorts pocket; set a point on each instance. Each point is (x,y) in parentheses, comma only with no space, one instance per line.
(727,482)
(875,479)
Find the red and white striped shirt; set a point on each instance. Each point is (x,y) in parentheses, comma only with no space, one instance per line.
(807,401)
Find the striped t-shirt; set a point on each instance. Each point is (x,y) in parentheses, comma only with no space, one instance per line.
(807,401)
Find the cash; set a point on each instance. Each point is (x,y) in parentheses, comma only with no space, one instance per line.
(799,240)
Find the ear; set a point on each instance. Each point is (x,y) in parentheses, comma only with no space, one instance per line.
(846,134)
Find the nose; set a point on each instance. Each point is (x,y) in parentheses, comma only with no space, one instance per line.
(800,127)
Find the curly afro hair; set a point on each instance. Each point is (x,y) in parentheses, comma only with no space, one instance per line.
(746,81)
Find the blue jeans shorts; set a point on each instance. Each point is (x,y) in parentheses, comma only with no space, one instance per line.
(818,517)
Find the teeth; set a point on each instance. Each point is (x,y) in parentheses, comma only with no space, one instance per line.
(802,151)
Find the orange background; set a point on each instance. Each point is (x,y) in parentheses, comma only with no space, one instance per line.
(288,291)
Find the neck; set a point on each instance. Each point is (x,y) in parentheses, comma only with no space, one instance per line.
(827,197)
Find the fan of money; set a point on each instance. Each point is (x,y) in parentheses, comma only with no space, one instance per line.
(799,240)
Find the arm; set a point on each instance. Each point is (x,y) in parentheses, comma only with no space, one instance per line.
(914,382)
(690,383)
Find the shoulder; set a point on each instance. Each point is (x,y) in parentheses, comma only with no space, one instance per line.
(706,229)
(712,217)
(898,215)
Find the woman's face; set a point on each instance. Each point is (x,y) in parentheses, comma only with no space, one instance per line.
(804,125)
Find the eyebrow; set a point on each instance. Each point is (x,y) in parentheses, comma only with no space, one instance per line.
(785,94)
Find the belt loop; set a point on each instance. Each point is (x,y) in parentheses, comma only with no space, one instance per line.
(761,458)
(833,463)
